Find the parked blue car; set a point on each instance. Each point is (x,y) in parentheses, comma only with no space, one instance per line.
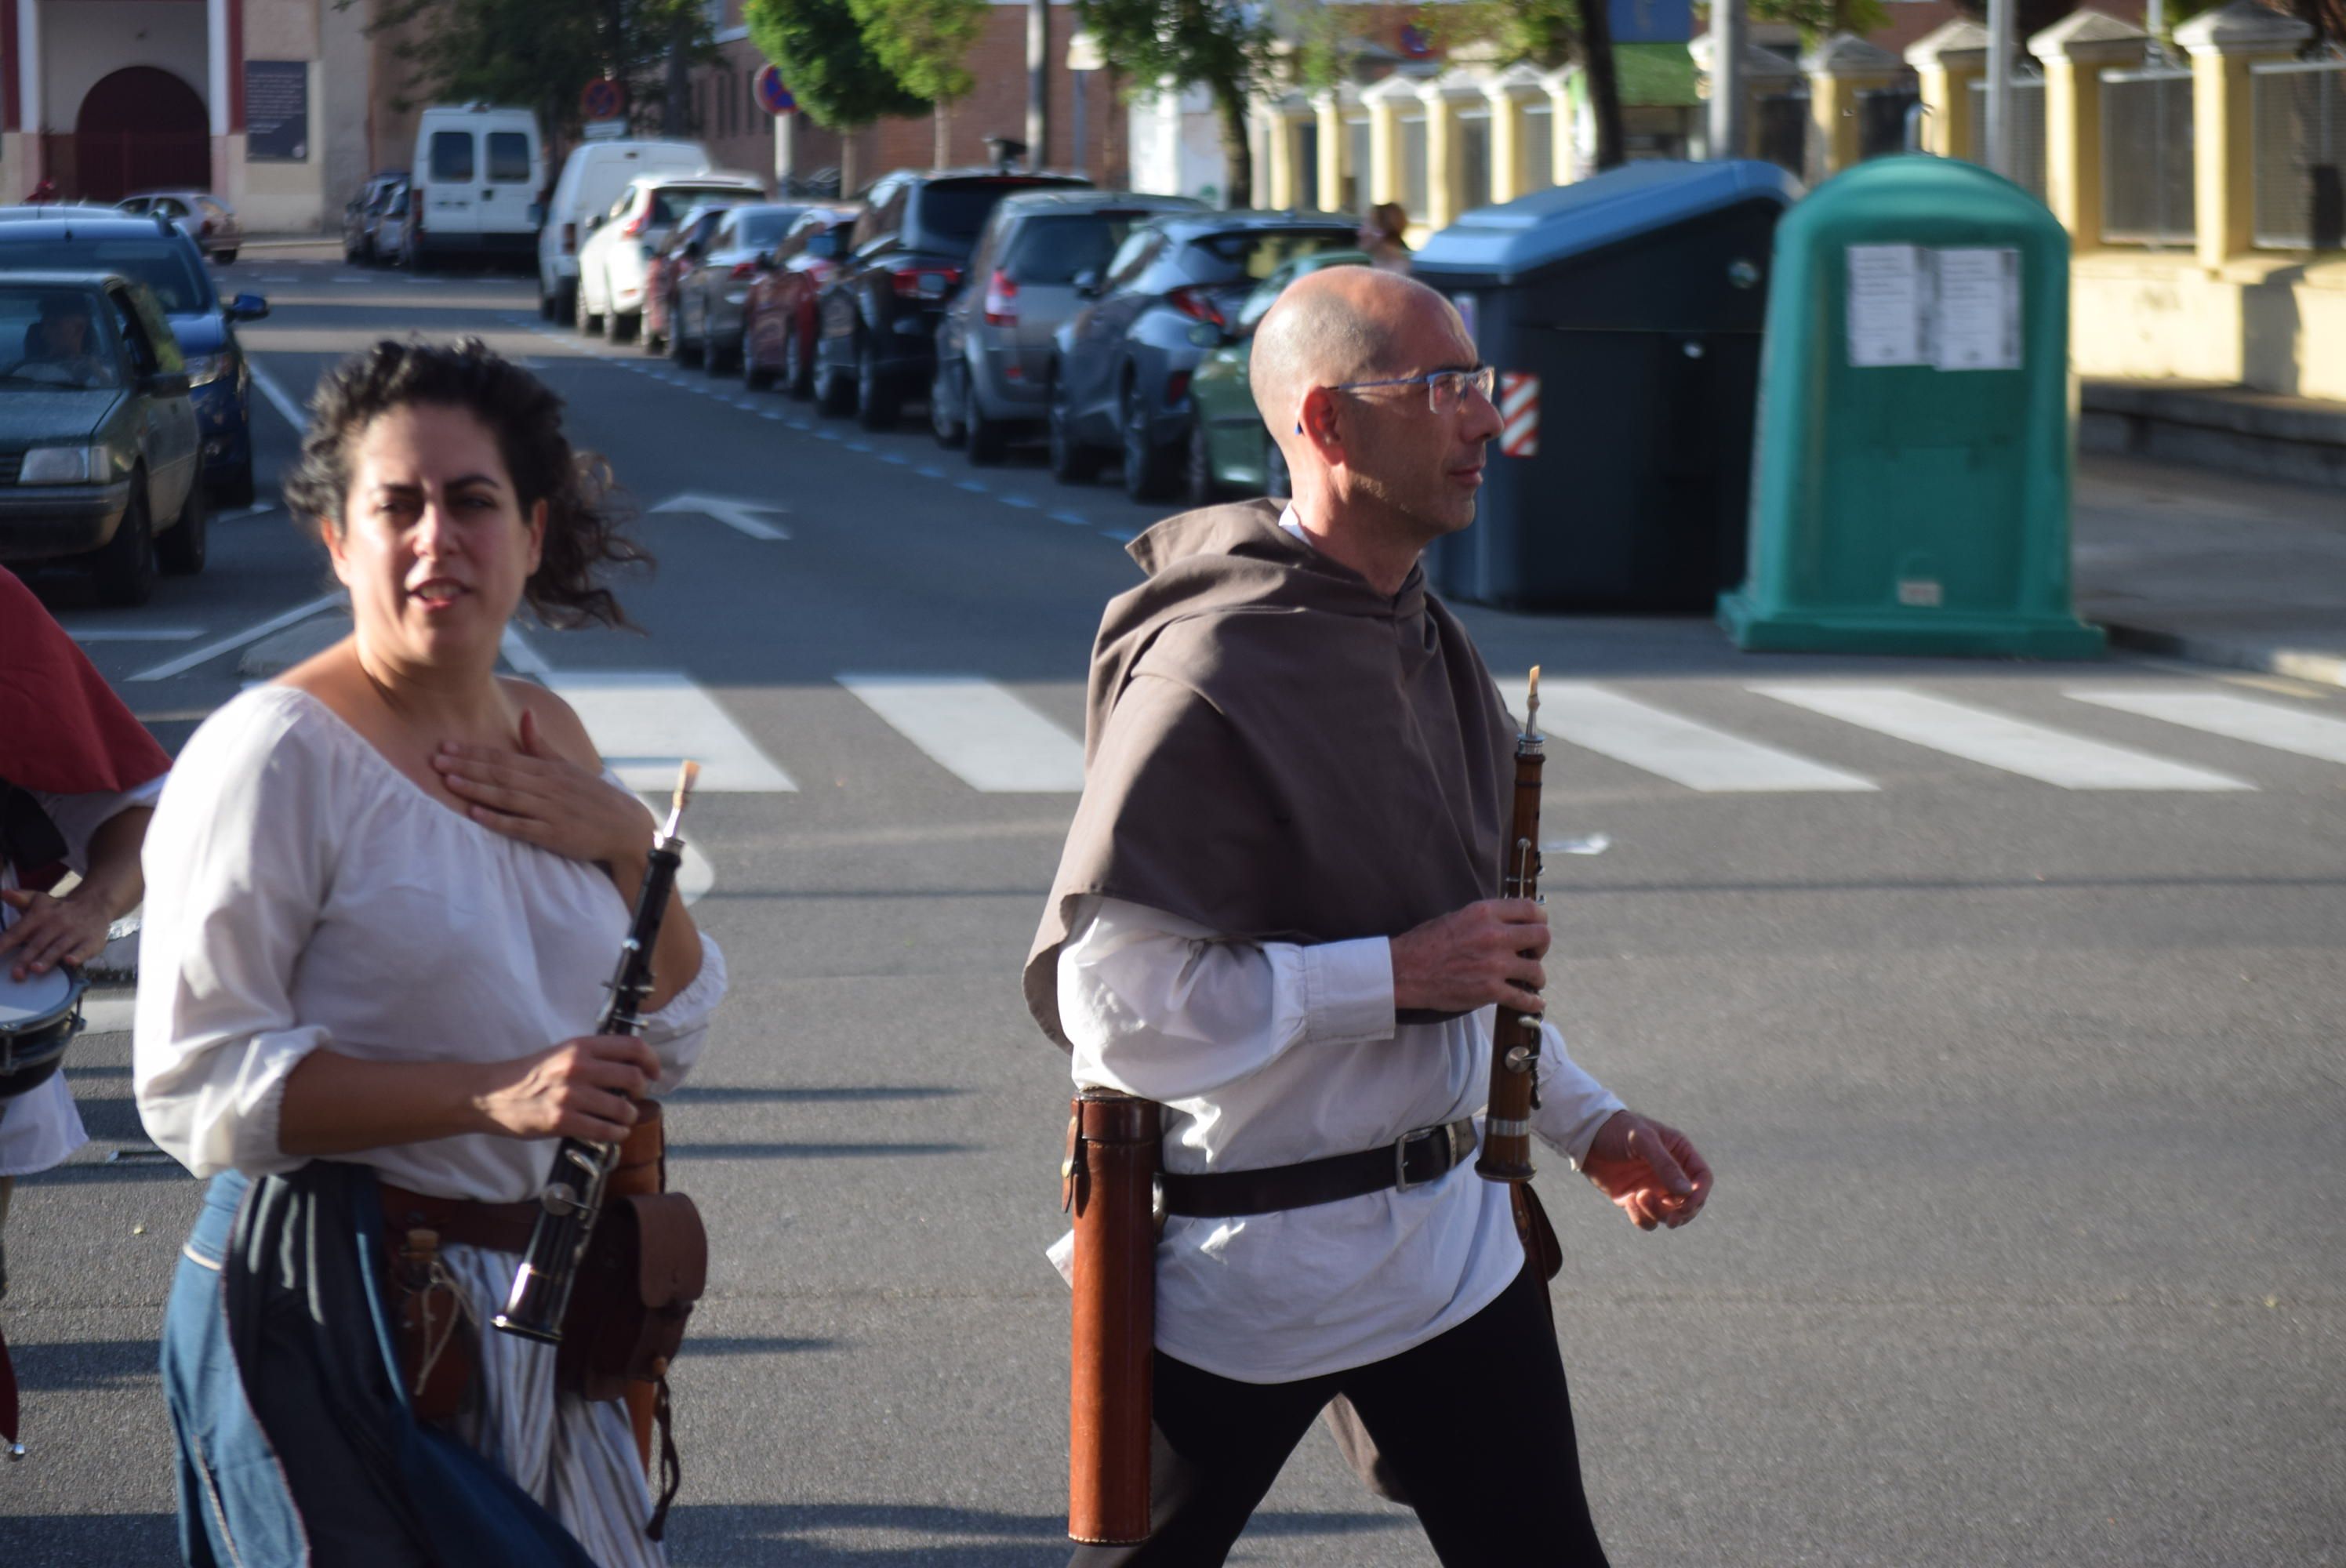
(159,254)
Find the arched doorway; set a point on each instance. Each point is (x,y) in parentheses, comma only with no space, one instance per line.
(140,129)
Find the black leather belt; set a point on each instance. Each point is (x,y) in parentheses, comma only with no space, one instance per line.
(1411,1160)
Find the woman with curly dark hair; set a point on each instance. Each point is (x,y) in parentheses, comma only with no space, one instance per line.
(384,893)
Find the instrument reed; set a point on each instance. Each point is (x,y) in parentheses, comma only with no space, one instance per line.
(1516,1034)
(573,1196)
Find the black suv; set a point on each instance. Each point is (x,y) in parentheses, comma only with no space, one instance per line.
(879,312)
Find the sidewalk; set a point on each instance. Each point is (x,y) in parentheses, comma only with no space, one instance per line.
(2213,568)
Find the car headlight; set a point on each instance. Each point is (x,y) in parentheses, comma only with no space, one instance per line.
(62,466)
(205,369)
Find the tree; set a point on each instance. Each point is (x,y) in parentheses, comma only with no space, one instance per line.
(1227,49)
(539,53)
(925,44)
(831,68)
(1546,33)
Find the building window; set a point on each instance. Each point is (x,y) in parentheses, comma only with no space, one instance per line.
(1413,168)
(1355,192)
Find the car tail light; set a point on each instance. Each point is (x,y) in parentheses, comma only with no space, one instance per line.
(925,282)
(1176,387)
(1197,304)
(744,270)
(570,239)
(634,227)
(207,228)
(1002,300)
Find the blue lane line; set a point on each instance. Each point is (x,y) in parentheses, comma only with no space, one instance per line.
(1018,501)
(930,471)
(1121,536)
(973,487)
(826,435)
(898,458)
(1072,519)
(859,446)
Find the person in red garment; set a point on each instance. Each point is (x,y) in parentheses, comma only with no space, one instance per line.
(78,778)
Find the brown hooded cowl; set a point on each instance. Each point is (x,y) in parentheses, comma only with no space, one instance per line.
(1277,751)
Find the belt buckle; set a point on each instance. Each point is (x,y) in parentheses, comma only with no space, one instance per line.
(1401,1158)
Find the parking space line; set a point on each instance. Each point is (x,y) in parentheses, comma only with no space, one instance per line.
(252,634)
(277,397)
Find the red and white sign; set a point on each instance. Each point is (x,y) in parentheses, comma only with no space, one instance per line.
(1518,413)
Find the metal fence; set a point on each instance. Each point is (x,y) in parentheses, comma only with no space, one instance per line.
(2027,131)
(2147,194)
(2300,150)
(1882,116)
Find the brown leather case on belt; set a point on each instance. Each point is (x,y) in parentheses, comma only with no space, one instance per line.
(645,1266)
(1107,1184)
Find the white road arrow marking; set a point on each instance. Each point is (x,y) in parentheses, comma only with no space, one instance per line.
(739,515)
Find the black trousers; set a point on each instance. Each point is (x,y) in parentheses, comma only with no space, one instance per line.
(1476,1425)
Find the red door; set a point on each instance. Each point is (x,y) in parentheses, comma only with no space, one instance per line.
(140,130)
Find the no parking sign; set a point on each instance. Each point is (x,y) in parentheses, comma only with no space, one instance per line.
(602,99)
(772,95)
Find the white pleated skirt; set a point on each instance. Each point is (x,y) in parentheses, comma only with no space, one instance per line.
(576,1457)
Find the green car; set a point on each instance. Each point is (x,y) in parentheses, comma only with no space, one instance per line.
(1230,449)
(99,444)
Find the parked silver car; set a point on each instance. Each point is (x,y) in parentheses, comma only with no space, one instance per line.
(716,277)
(994,343)
(204,218)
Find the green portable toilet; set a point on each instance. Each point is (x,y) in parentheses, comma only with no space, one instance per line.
(1910,472)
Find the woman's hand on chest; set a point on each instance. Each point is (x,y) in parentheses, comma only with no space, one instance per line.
(542,797)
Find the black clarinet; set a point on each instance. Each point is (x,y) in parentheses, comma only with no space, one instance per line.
(573,1197)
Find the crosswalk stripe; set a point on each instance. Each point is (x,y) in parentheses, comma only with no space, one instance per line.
(645,722)
(975,730)
(1657,741)
(2234,718)
(1997,740)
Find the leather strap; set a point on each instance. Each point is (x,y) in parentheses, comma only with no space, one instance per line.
(499,1227)
(1411,1160)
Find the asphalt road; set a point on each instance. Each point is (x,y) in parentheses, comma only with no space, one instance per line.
(2025,1097)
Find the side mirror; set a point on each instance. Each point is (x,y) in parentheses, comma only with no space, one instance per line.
(247,308)
(594,223)
(1087,282)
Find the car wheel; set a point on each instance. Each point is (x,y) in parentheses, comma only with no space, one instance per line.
(680,343)
(798,369)
(1072,463)
(875,405)
(125,564)
(945,410)
(1280,486)
(715,352)
(1147,474)
(236,489)
(625,327)
(754,376)
(182,544)
(225,258)
(588,322)
(544,302)
(834,389)
(989,439)
(1198,473)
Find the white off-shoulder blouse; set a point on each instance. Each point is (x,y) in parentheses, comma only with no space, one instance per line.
(302,891)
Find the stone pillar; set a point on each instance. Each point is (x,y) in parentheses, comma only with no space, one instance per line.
(1839,69)
(1445,165)
(1948,59)
(1563,126)
(2075,51)
(1383,103)
(1510,92)
(1332,142)
(2223,45)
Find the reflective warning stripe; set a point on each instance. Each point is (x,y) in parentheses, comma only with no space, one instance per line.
(1519,414)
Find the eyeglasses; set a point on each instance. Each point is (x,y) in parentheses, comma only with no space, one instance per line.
(1444,389)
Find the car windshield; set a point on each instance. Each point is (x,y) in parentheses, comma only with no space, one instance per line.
(764,230)
(1251,255)
(1054,249)
(54,338)
(671,202)
(167,266)
(953,210)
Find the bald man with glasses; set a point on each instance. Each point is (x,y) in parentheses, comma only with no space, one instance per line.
(1276,915)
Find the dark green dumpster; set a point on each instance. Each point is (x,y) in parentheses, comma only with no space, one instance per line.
(1912,481)
(1623,314)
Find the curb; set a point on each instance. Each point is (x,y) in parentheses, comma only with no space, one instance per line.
(2299,664)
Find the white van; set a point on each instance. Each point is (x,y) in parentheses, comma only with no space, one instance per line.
(477,174)
(592,179)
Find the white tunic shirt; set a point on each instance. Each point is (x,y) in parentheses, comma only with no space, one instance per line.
(1265,1055)
(302,891)
(40,1127)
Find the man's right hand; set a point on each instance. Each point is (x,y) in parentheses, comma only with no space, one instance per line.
(1486,953)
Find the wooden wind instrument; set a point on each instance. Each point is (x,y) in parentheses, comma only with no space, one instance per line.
(1515,1035)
